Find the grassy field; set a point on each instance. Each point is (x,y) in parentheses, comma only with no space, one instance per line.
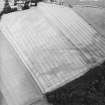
(100,3)
(94,16)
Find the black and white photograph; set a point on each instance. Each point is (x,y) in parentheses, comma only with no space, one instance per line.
(52,52)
